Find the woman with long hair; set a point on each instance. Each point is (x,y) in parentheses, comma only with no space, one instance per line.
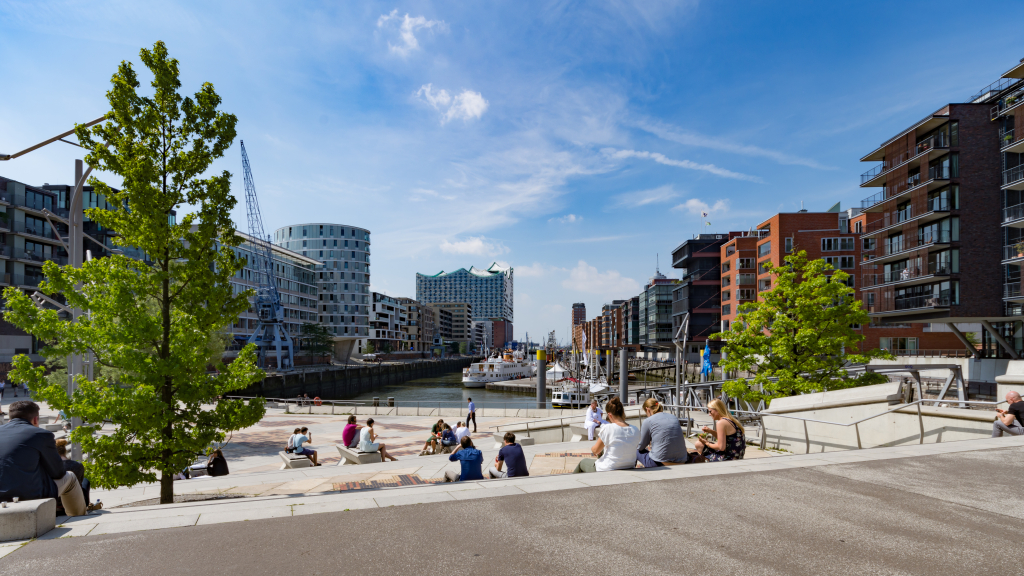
(616,443)
(661,438)
(728,440)
(366,441)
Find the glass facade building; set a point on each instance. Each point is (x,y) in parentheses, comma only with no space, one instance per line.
(489,291)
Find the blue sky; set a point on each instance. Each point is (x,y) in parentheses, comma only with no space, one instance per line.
(575,141)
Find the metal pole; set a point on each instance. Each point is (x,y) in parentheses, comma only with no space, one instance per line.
(542,375)
(75,217)
(623,375)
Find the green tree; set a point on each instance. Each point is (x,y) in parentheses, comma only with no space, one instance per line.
(317,339)
(369,348)
(800,332)
(156,325)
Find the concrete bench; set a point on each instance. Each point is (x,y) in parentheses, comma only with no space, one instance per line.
(28,519)
(53,427)
(499,441)
(294,461)
(578,432)
(350,456)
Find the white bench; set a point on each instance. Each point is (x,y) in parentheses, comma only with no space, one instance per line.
(578,433)
(294,461)
(350,456)
(499,441)
(27,519)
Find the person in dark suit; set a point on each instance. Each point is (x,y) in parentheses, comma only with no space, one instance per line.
(30,466)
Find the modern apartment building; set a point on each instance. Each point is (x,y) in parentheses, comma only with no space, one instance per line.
(461,320)
(579,313)
(611,324)
(27,239)
(442,323)
(655,313)
(832,236)
(631,323)
(488,292)
(945,230)
(387,317)
(297,283)
(344,278)
(700,293)
(419,325)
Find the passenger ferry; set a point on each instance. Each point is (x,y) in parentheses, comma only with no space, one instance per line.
(510,366)
(572,394)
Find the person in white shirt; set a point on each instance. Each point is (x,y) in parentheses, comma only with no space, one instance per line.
(461,431)
(616,445)
(594,419)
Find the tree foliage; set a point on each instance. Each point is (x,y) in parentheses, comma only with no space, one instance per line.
(155,326)
(800,333)
(317,339)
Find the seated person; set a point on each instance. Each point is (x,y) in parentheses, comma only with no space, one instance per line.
(662,440)
(729,442)
(512,454)
(79,470)
(217,465)
(350,435)
(448,437)
(30,466)
(291,441)
(301,439)
(435,435)
(368,442)
(616,444)
(594,419)
(472,463)
(461,431)
(1010,420)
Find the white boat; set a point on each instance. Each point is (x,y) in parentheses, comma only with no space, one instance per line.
(510,366)
(571,394)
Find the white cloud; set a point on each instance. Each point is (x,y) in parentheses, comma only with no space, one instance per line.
(587,278)
(475,245)
(567,219)
(662,159)
(421,195)
(532,270)
(694,206)
(645,197)
(407,28)
(673,134)
(590,239)
(466,105)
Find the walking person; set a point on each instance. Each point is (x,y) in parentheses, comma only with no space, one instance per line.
(472,414)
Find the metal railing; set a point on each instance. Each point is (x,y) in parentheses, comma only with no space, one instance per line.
(1015,212)
(910,273)
(912,302)
(872,173)
(1006,138)
(1015,250)
(930,353)
(1011,290)
(1013,175)
(903,244)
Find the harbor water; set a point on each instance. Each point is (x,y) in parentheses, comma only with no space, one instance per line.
(447,389)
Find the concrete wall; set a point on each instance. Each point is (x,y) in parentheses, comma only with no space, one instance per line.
(846,406)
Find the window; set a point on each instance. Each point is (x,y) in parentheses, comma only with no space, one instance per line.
(789,245)
(730,250)
(764,285)
(954,134)
(727,309)
(858,227)
(746,263)
(726,295)
(840,262)
(890,344)
(726,281)
(745,294)
(764,249)
(726,266)
(867,244)
(836,244)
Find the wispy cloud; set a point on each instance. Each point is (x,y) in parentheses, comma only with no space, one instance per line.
(421,195)
(407,28)
(679,136)
(474,245)
(534,270)
(644,197)
(662,159)
(567,219)
(587,278)
(695,206)
(463,106)
(590,239)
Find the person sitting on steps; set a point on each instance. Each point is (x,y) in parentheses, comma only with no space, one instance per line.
(512,454)
(1010,420)
(367,442)
(435,435)
(616,444)
(472,461)
(727,441)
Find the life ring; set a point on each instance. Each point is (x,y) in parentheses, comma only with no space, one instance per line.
(316,401)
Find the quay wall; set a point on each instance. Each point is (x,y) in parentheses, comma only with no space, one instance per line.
(341,382)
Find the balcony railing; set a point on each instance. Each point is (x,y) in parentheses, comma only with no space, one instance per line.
(746,279)
(1011,100)
(1013,251)
(1006,138)
(37,257)
(702,274)
(871,174)
(1011,290)
(1013,175)
(924,238)
(912,302)
(937,204)
(22,279)
(933,142)
(1015,212)
(34,229)
(909,273)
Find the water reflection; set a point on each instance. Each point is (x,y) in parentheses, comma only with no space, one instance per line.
(448,389)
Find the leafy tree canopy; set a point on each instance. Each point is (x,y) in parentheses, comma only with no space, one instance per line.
(155,326)
(801,333)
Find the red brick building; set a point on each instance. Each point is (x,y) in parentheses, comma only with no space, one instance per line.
(833,236)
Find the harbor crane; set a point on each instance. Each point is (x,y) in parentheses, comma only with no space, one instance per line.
(270,332)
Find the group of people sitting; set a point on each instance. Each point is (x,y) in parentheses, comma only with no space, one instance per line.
(442,436)
(34,465)
(660,441)
(471,461)
(364,438)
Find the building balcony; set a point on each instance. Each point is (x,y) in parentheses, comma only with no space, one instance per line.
(1014,253)
(1011,291)
(1008,141)
(746,279)
(915,155)
(29,280)
(934,178)
(910,305)
(1008,103)
(933,209)
(1013,179)
(703,275)
(1013,216)
(908,276)
(37,257)
(889,251)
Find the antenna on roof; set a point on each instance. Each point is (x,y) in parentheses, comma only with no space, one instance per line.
(657,265)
